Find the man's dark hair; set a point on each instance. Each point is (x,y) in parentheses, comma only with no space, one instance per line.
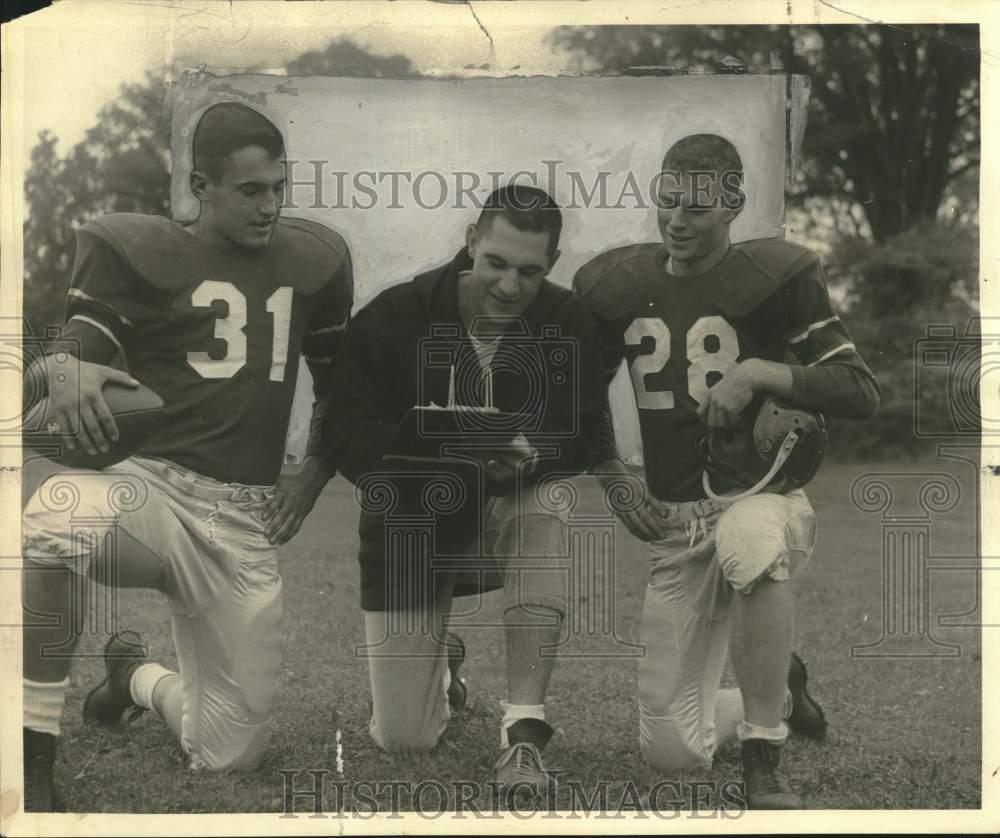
(711,154)
(228,127)
(527,208)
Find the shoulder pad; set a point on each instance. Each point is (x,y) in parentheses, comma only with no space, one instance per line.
(612,283)
(124,226)
(778,258)
(141,240)
(313,252)
(306,253)
(754,270)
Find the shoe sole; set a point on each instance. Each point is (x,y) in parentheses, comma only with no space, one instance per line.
(802,688)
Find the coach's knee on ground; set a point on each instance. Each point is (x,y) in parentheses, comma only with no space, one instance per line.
(765,536)
(668,745)
(395,735)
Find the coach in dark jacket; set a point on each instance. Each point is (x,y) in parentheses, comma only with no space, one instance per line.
(485,330)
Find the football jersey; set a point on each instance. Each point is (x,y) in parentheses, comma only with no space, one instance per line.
(680,334)
(216,330)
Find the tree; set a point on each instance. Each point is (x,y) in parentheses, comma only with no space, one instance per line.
(121,165)
(894,112)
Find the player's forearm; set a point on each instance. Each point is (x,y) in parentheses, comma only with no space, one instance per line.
(314,444)
(770,377)
(835,389)
(841,390)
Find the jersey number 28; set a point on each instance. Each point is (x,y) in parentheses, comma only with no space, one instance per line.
(231,329)
(712,347)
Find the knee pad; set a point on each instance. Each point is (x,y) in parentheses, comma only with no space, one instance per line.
(758,537)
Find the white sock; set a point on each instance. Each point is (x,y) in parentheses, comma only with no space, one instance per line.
(144,681)
(514,713)
(43,705)
(747,730)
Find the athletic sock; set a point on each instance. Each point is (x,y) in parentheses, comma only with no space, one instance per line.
(514,713)
(747,730)
(144,681)
(43,705)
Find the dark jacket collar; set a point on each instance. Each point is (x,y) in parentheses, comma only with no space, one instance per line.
(438,288)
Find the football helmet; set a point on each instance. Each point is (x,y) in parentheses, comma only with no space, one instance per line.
(776,448)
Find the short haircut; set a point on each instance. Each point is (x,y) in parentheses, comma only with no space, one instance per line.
(527,208)
(712,154)
(228,127)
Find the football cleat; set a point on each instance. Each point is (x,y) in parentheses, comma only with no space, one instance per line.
(807,717)
(109,700)
(39,772)
(519,770)
(779,449)
(458,691)
(765,786)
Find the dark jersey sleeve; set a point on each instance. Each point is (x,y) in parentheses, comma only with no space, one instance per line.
(323,342)
(360,424)
(324,335)
(106,300)
(830,376)
(600,434)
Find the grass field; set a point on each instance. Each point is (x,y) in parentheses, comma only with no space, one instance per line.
(904,732)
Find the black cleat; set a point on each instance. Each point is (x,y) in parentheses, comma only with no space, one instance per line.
(519,770)
(109,700)
(765,787)
(458,691)
(39,775)
(807,717)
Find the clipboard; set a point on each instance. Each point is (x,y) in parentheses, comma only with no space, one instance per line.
(455,432)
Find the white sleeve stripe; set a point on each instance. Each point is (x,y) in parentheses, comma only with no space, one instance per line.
(101,328)
(832,352)
(76,292)
(326,330)
(812,328)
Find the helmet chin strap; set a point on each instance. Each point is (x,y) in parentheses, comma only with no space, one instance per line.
(790,441)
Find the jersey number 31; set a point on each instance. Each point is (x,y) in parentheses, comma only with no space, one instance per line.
(705,356)
(231,330)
